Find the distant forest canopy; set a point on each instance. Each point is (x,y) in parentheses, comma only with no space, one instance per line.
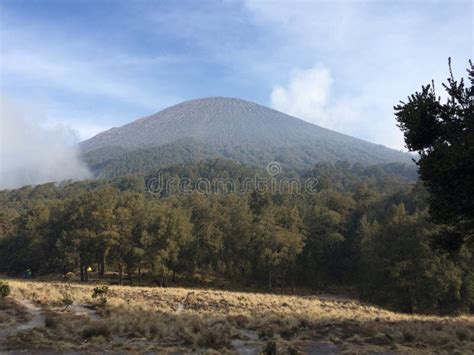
(366,228)
(110,162)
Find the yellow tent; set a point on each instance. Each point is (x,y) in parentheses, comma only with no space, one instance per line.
(89,269)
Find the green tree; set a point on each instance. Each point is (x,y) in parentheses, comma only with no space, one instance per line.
(443,135)
(24,249)
(279,240)
(170,232)
(238,230)
(400,270)
(324,230)
(207,220)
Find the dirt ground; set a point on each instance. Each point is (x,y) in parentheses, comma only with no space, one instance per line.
(182,320)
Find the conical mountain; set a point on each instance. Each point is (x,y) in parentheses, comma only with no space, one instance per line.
(228,128)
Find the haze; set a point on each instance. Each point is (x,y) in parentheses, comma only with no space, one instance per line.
(32,154)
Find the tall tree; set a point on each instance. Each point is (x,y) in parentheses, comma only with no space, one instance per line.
(279,240)
(170,231)
(401,270)
(443,135)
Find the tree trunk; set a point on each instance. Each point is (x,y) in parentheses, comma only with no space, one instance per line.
(163,278)
(103,263)
(139,273)
(86,274)
(81,267)
(130,278)
(120,274)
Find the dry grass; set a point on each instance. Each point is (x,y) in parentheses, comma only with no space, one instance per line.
(176,319)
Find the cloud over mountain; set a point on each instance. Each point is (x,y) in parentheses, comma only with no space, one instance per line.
(32,153)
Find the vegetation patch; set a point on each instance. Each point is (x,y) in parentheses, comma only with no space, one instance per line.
(249,320)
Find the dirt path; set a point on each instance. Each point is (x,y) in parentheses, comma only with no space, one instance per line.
(38,318)
(248,342)
(78,310)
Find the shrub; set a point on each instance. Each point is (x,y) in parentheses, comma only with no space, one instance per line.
(4,289)
(210,339)
(51,322)
(96,330)
(100,292)
(408,336)
(67,300)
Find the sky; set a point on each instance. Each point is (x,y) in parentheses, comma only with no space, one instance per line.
(83,66)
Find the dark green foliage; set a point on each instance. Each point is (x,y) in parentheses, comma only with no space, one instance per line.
(100,293)
(365,228)
(443,135)
(402,271)
(189,151)
(4,289)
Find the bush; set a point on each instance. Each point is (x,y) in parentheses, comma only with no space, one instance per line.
(96,330)
(4,289)
(100,292)
(51,322)
(67,300)
(209,339)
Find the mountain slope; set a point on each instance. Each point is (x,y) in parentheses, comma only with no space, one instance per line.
(229,128)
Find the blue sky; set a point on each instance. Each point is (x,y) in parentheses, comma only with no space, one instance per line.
(88,65)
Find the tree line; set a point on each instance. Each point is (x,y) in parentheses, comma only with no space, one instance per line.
(364,229)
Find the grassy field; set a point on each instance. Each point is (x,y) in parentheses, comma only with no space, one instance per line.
(193,320)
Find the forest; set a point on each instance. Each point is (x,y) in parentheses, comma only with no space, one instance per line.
(366,231)
(395,239)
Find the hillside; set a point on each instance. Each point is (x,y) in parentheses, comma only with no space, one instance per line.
(218,127)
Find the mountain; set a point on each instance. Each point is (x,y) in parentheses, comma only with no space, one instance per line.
(219,127)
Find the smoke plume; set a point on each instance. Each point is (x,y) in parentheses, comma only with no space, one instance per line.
(31,153)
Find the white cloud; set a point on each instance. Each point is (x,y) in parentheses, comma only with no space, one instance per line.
(82,130)
(305,95)
(74,86)
(63,72)
(309,94)
(85,122)
(86,131)
(378,53)
(375,52)
(32,153)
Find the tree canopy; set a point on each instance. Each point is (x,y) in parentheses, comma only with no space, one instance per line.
(442,132)
(364,229)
